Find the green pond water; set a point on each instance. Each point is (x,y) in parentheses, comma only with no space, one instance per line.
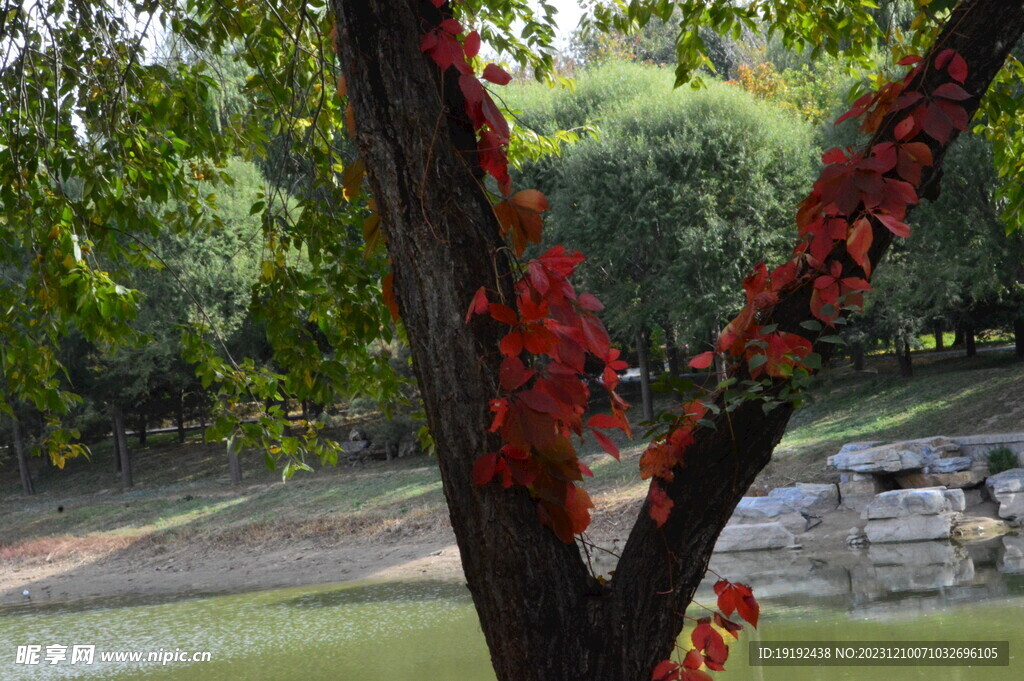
(427,631)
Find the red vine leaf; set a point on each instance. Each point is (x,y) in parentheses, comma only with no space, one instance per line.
(703,360)
(478,305)
(735,597)
(497,75)
(659,505)
(471,45)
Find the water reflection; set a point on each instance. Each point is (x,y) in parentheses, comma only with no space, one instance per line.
(428,630)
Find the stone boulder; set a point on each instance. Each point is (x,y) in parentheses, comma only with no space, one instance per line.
(951,464)
(1012,559)
(815,499)
(960,479)
(901,503)
(1007,488)
(911,528)
(884,459)
(901,456)
(758,537)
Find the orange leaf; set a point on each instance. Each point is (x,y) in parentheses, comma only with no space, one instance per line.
(858,242)
(703,360)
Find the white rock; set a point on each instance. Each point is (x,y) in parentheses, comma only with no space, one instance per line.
(884,459)
(910,528)
(816,499)
(1007,488)
(754,537)
(907,502)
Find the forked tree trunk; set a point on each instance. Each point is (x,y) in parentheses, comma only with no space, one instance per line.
(121,445)
(21,452)
(543,616)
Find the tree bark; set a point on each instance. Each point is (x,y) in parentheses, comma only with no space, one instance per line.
(543,616)
(644,363)
(671,349)
(180,417)
(121,440)
(858,357)
(903,358)
(234,464)
(969,341)
(21,452)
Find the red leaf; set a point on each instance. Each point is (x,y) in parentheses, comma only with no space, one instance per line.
(951,91)
(512,343)
(503,314)
(539,401)
(730,626)
(735,597)
(598,342)
(693,659)
(589,302)
(604,421)
(707,640)
(659,505)
(936,123)
(666,670)
(471,45)
(478,305)
(451,26)
(905,128)
(897,227)
(513,373)
(485,468)
(703,360)
(858,243)
(957,68)
(531,199)
(909,60)
(606,443)
(497,75)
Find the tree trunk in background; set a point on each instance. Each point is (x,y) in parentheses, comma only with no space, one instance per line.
(122,446)
(671,349)
(22,453)
(969,339)
(940,343)
(858,356)
(644,364)
(958,336)
(234,465)
(117,444)
(1018,336)
(141,431)
(903,358)
(543,616)
(180,417)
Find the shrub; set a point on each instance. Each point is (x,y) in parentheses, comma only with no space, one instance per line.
(1001,459)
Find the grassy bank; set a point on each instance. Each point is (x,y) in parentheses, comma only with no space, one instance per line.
(183,495)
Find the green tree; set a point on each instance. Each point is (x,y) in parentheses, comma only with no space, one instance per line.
(681,193)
